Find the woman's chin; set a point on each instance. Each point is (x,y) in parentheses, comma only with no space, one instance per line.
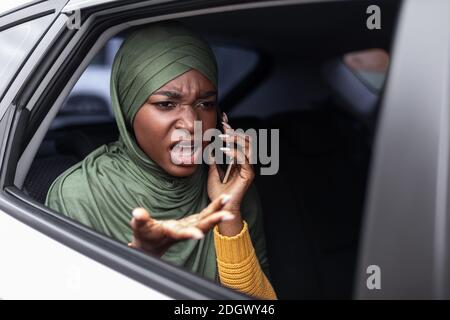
(183,170)
(183,162)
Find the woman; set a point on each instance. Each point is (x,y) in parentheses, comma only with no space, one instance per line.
(163,79)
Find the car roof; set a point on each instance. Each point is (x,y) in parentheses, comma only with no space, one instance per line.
(7,6)
(80,4)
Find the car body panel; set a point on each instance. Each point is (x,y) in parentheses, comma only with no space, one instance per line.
(34,266)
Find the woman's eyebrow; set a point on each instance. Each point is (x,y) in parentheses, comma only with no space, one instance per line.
(169,94)
(207,94)
(178,95)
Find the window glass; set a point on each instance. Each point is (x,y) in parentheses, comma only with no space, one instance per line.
(15,44)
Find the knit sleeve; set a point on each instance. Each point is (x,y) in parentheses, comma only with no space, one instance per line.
(238,265)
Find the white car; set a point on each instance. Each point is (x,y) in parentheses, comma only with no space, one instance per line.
(359,208)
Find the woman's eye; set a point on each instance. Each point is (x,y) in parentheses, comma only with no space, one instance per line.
(165,105)
(207,104)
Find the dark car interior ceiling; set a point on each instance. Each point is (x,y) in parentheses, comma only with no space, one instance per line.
(313,206)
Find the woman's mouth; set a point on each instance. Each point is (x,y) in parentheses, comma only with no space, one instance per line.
(184,152)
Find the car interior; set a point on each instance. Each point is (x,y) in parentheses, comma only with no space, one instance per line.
(275,73)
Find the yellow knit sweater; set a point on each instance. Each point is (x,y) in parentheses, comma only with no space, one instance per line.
(238,265)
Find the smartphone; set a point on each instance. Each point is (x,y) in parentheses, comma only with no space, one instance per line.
(223,169)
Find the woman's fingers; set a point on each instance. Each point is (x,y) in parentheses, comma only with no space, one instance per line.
(246,143)
(237,154)
(140,218)
(215,205)
(239,149)
(143,226)
(224,117)
(192,233)
(243,141)
(226,126)
(210,221)
(175,230)
(212,166)
(147,229)
(243,166)
(232,136)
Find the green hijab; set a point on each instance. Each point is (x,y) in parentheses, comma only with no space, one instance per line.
(102,190)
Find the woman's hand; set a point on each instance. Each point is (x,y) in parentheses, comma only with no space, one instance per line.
(240,178)
(156,236)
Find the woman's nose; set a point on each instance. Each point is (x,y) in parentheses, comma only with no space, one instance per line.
(187,118)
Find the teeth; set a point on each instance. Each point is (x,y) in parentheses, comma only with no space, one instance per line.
(184,144)
(184,147)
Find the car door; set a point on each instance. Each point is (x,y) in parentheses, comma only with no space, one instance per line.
(405,252)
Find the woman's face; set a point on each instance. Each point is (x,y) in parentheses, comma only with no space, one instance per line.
(175,106)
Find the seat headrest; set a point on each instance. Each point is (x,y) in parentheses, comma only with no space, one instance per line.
(356,81)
